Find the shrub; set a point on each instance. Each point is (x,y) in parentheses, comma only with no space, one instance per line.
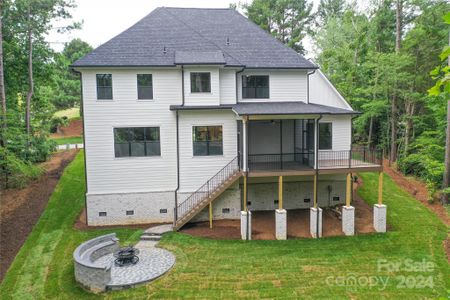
(16,173)
(57,122)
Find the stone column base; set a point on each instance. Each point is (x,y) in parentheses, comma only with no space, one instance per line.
(348,220)
(313,222)
(280,224)
(246,225)
(379,217)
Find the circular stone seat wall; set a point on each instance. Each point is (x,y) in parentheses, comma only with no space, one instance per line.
(94,276)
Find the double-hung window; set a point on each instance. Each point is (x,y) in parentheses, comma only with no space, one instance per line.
(200,82)
(325,136)
(137,141)
(255,87)
(104,87)
(207,140)
(145,86)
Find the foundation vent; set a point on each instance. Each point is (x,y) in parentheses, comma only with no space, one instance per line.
(163,211)
(225,210)
(102,213)
(130,212)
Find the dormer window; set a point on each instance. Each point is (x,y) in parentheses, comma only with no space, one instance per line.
(201,82)
(255,87)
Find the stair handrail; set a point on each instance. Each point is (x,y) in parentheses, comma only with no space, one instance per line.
(207,188)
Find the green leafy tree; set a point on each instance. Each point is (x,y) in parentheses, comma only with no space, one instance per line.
(287,20)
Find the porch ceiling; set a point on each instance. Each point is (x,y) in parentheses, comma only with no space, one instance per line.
(287,108)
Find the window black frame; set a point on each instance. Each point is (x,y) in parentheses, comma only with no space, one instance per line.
(192,74)
(208,141)
(255,88)
(140,93)
(321,137)
(101,94)
(130,141)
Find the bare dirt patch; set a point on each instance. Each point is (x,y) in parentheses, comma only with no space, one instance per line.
(20,209)
(418,190)
(75,128)
(263,224)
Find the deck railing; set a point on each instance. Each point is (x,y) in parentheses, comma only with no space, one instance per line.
(200,195)
(285,161)
(356,157)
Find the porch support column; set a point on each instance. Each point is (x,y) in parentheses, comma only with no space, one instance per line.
(379,210)
(348,211)
(244,144)
(315,214)
(246,215)
(210,215)
(280,214)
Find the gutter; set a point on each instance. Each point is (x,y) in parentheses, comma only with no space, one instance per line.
(307,84)
(175,215)
(84,140)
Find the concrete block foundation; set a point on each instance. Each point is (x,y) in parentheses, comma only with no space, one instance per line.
(280,224)
(348,220)
(246,225)
(313,222)
(379,217)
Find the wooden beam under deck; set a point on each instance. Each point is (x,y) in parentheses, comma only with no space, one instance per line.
(311,172)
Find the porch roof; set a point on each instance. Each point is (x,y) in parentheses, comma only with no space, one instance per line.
(288,108)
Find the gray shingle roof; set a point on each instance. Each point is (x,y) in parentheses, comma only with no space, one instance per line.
(199,57)
(273,108)
(192,30)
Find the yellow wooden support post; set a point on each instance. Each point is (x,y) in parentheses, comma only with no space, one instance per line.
(245,194)
(280,192)
(210,215)
(348,197)
(380,188)
(315,191)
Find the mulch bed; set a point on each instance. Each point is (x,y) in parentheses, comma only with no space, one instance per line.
(20,209)
(75,128)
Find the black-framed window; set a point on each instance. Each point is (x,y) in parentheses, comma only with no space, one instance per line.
(137,141)
(145,86)
(255,87)
(207,140)
(104,86)
(200,82)
(325,136)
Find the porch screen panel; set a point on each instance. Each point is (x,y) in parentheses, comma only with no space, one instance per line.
(325,136)
(207,140)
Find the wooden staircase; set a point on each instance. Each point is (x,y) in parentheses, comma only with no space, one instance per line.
(207,193)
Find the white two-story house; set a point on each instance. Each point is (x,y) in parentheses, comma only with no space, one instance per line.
(193,114)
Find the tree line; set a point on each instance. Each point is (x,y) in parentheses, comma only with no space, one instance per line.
(35,81)
(385,58)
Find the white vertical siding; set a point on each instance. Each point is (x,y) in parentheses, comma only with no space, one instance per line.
(105,172)
(196,170)
(212,98)
(321,91)
(284,85)
(227,86)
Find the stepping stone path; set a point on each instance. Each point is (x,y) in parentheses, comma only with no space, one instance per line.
(153,262)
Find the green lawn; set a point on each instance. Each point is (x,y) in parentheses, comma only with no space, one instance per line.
(69,140)
(205,268)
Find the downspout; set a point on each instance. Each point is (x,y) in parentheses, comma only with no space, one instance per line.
(84,140)
(317,176)
(237,81)
(175,213)
(307,84)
